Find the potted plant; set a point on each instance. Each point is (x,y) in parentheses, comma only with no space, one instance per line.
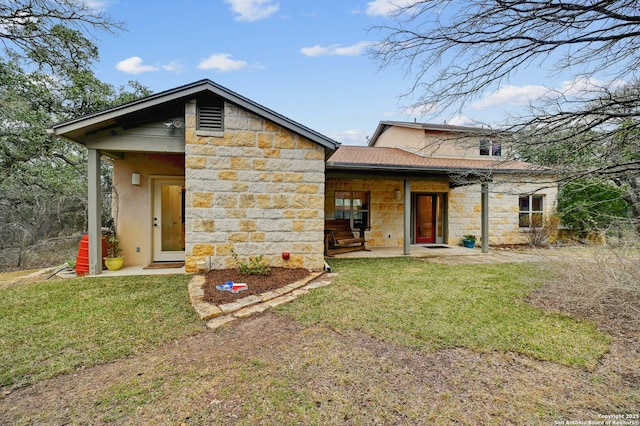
(469,240)
(113,261)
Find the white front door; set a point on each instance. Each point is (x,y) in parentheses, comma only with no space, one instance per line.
(168,219)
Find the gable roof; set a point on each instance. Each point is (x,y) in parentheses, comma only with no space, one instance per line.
(383,126)
(76,128)
(397,159)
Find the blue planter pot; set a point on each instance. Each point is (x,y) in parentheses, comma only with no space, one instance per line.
(468,243)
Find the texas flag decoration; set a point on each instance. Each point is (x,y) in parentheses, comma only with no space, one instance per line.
(232,287)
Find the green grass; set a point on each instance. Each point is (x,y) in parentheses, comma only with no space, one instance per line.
(55,327)
(433,306)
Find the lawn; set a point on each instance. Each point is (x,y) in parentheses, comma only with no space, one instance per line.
(55,327)
(391,341)
(432,306)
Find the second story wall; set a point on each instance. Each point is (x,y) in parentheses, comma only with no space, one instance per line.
(443,144)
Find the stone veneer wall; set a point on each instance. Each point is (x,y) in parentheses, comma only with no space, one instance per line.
(464,208)
(386,213)
(256,189)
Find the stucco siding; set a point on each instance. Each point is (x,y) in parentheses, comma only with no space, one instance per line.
(132,203)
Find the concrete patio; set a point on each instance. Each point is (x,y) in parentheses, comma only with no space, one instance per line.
(416,250)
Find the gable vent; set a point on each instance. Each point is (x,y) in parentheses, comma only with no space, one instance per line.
(210,118)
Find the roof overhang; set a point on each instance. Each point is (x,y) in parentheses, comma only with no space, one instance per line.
(76,129)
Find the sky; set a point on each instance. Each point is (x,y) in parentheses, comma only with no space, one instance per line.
(305,59)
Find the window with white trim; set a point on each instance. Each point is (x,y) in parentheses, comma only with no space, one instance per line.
(490,147)
(353,205)
(531,211)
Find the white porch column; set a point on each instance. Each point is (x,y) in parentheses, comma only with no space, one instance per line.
(407,217)
(94,201)
(484,204)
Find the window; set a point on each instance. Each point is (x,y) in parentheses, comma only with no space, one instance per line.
(490,147)
(531,211)
(211,118)
(354,206)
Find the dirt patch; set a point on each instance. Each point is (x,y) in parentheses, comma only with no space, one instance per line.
(269,369)
(258,284)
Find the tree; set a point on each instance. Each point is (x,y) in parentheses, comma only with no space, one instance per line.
(52,33)
(46,77)
(587,205)
(456,51)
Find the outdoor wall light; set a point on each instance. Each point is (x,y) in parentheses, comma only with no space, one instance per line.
(397,195)
(135,178)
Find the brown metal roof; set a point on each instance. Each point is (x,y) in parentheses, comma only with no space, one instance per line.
(372,158)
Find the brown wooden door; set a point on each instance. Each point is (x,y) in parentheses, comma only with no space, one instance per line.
(425,219)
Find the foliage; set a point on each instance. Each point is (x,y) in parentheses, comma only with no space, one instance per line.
(46,77)
(587,205)
(469,237)
(430,306)
(254,266)
(113,246)
(52,33)
(50,328)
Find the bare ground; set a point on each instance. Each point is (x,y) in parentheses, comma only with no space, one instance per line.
(270,369)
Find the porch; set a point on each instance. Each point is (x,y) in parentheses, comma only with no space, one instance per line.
(416,250)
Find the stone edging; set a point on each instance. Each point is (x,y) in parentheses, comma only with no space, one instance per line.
(217,315)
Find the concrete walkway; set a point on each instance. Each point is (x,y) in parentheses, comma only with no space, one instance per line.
(442,253)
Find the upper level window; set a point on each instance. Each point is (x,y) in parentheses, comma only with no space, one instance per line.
(531,211)
(353,205)
(211,117)
(490,147)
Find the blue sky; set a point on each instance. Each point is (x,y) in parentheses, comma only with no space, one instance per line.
(305,59)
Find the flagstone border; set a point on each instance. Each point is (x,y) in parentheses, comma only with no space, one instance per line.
(217,315)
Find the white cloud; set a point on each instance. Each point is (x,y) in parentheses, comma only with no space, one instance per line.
(589,87)
(133,65)
(386,7)
(99,5)
(462,120)
(512,95)
(253,10)
(221,62)
(336,50)
(524,95)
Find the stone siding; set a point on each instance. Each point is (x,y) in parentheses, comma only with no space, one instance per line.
(255,189)
(463,208)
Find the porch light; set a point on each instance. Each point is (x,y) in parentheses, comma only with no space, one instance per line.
(397,195)
(135,178)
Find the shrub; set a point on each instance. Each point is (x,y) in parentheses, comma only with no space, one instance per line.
(255,266)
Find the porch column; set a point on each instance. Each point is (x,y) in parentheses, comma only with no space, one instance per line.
(407,217)
(94,222)
(484,206)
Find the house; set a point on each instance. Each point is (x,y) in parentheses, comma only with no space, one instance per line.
(201,172)
(421,183)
